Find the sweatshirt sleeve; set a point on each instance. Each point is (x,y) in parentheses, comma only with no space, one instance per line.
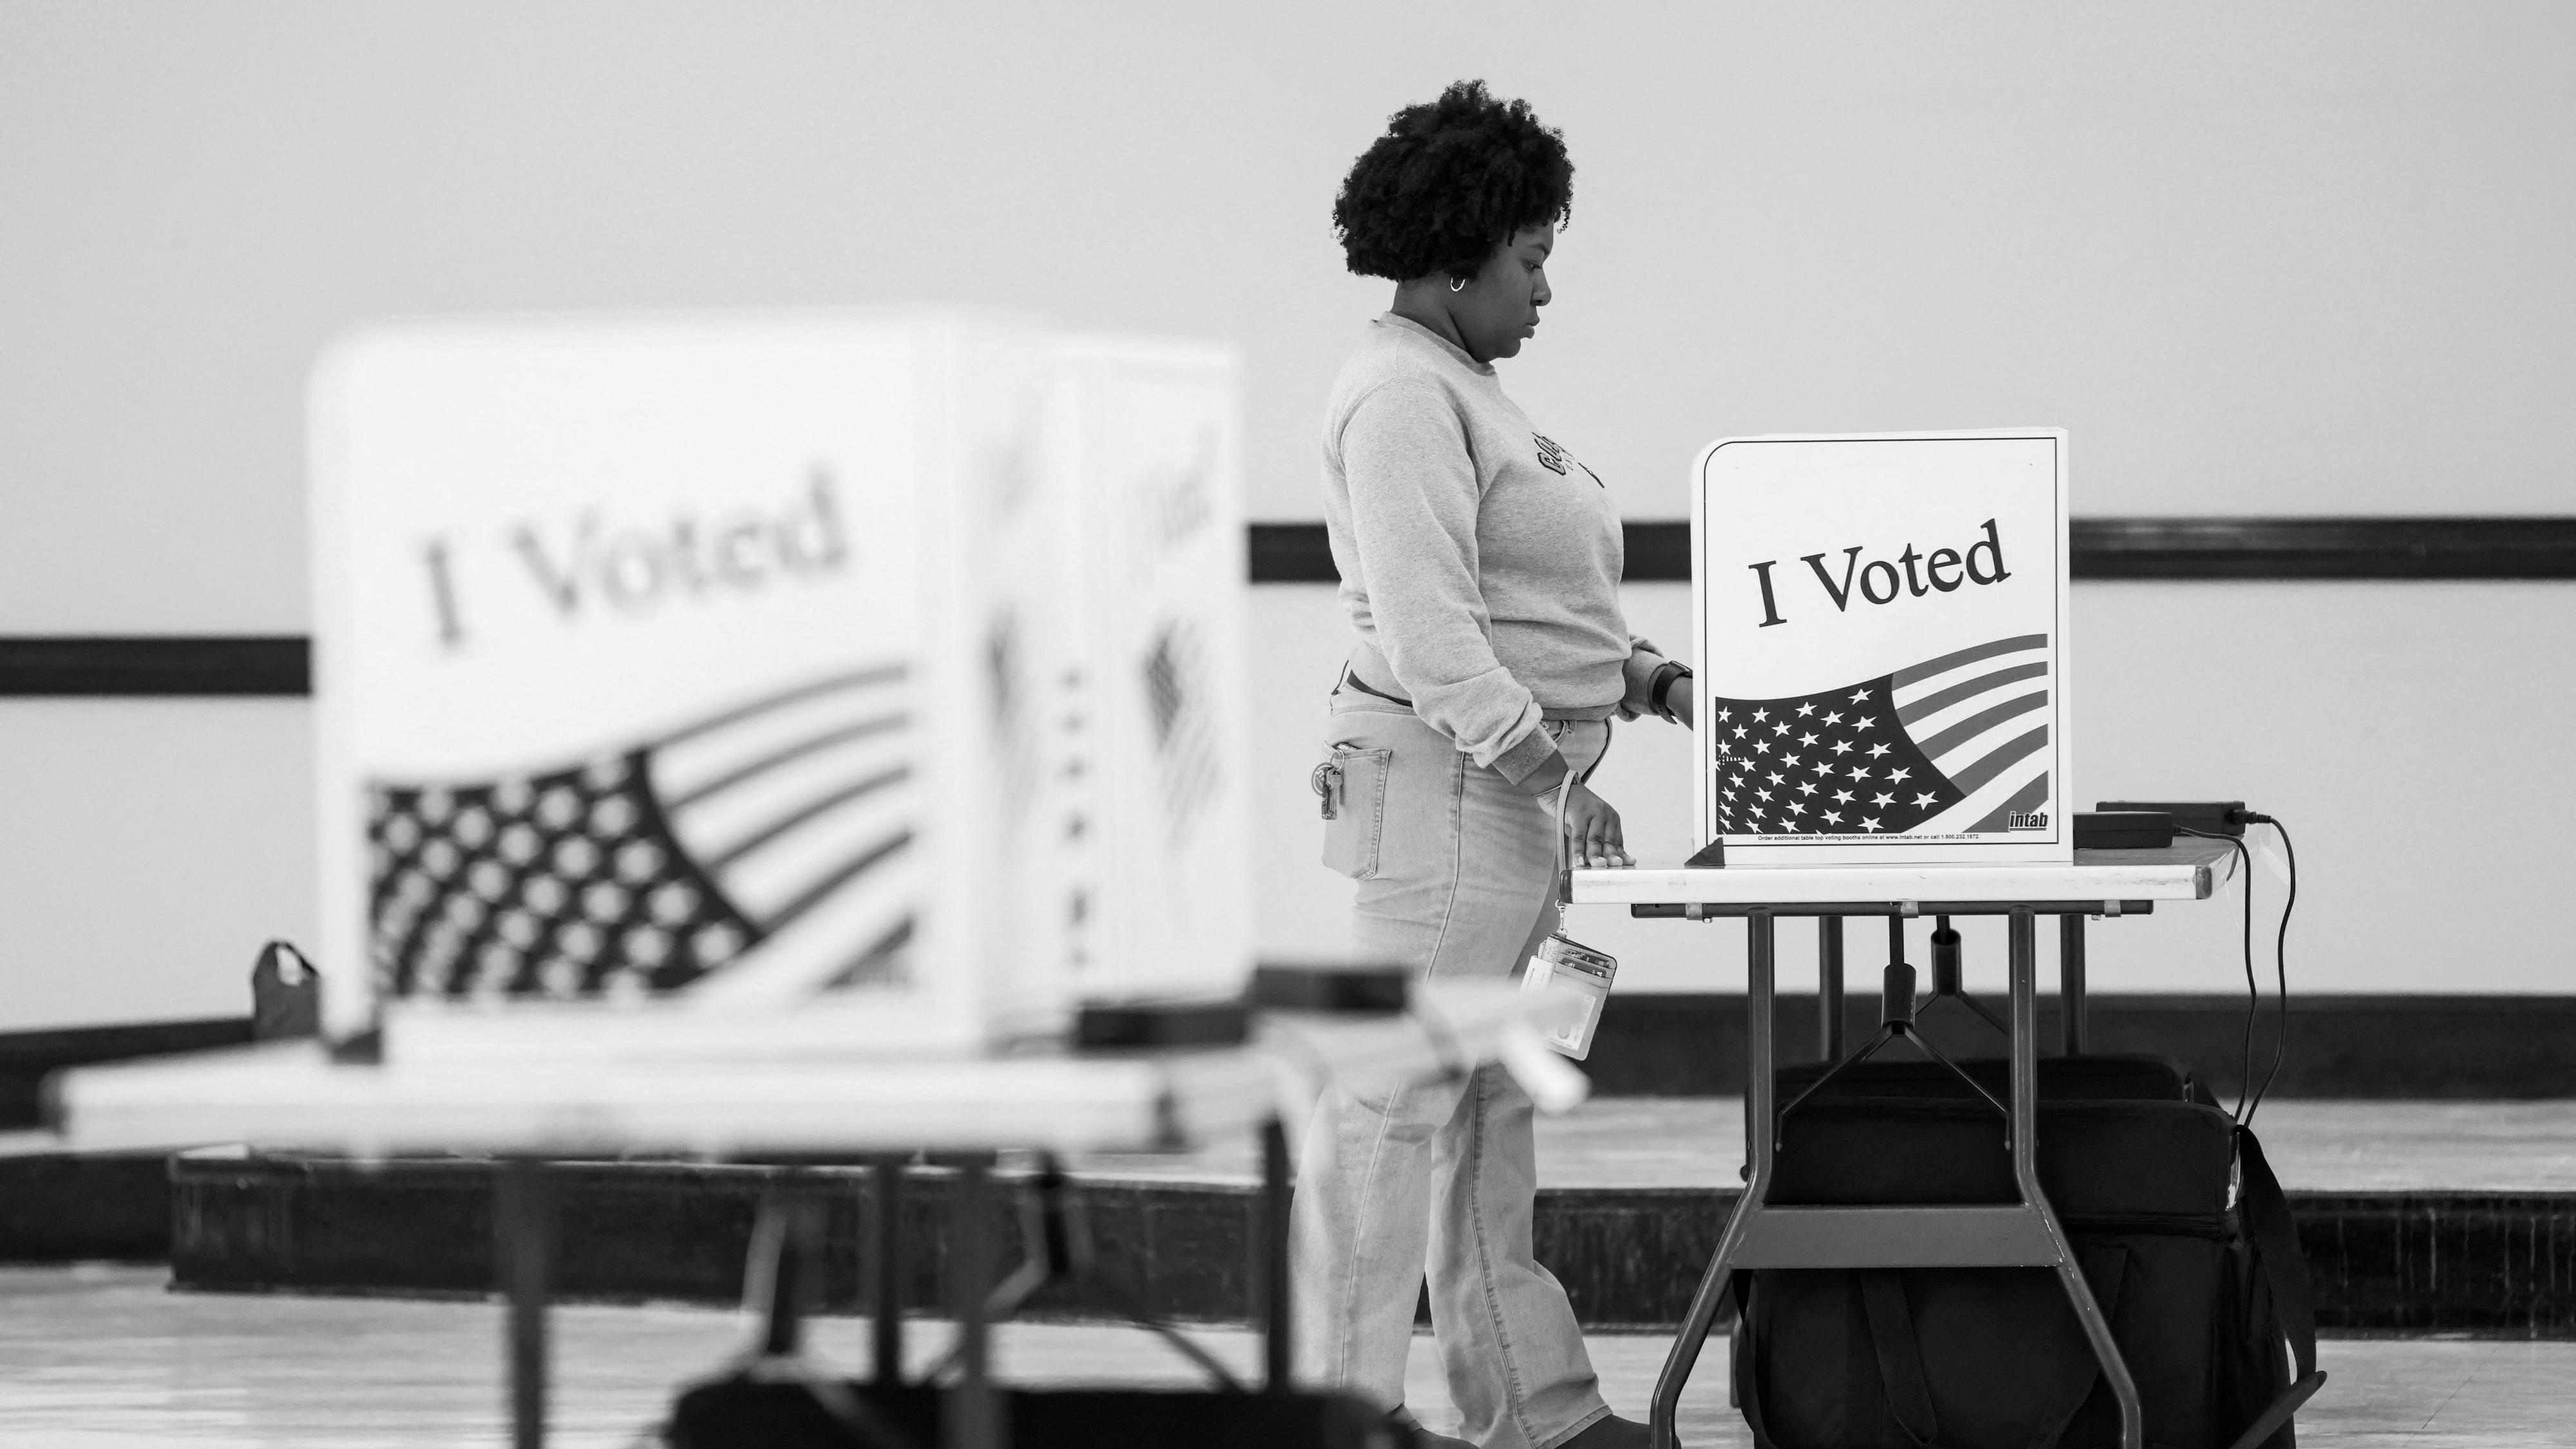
(1414,500)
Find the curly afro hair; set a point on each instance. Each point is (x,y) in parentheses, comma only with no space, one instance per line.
(1450,181)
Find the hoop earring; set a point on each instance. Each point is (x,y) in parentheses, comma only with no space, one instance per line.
(1457,284)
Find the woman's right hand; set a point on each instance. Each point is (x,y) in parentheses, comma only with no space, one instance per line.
(1592,834)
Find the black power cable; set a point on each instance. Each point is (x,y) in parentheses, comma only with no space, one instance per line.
(2280,962)
(2250,1094)
(2253,992)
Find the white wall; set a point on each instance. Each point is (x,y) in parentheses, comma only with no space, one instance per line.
(2297,258)
(147,850)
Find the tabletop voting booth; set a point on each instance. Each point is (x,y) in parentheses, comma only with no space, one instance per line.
(1882,731)
(1882,627)
(674,671)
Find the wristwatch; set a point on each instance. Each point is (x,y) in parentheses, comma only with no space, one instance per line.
(1662,686)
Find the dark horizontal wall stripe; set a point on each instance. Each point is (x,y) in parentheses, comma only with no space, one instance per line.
(2325,548)
(193,664)
(1658,552)
(2135,548)
(1299,553)
(48,1049)
(1291,553)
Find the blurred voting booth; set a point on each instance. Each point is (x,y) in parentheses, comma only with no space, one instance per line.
(1882,629)
(743,735)
(725,684)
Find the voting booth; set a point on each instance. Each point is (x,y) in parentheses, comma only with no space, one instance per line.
(1152,524)
(1882,630)
(720,684)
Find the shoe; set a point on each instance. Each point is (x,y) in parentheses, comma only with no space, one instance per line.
(1609,1432)
(1423,1438)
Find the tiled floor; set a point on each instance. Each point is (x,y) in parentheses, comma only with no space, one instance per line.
(2313,1145)
(104,1358)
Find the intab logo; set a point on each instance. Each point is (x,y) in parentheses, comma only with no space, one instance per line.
(2026,820)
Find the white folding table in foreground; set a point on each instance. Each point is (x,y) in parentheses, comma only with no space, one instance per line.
(887,1109)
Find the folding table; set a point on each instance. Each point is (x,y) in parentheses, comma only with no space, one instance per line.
(293,1096)
(2025,1234)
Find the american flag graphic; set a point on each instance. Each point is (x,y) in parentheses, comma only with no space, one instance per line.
(1179,705)
(1953,745)
(649,869)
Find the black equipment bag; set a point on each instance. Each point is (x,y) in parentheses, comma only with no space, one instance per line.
(2180,1229)
(744,1412)
(2061,1079)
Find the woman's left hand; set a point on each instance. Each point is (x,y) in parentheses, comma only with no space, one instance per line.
(1679,702)
(1593,836)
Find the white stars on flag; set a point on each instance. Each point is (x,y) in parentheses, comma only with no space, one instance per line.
(1838,752)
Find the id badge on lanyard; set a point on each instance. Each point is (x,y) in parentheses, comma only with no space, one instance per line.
(1573,977)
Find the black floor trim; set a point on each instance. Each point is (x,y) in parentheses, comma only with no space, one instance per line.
(2493,1265)
(2386,1047)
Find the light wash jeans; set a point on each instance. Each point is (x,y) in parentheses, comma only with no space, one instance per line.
(1457,876)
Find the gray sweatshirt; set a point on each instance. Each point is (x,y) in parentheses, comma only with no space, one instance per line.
(1480,562)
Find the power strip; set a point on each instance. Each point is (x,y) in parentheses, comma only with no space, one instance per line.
(2210,817)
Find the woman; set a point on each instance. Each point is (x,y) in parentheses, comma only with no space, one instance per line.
(1480,567)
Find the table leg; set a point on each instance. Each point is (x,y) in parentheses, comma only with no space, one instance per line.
(782,1277)
(885,1269)
(1829,988)
(524,1225)
(1760,1120)
(2070,984)
(974,1417)
(1277,1343)
(2025,1135)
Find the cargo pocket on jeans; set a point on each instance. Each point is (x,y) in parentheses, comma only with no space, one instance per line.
(1352,785)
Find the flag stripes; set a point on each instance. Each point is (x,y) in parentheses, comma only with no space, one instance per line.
(1944,663)
(1940,700)
(1955,735)
(652,869)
